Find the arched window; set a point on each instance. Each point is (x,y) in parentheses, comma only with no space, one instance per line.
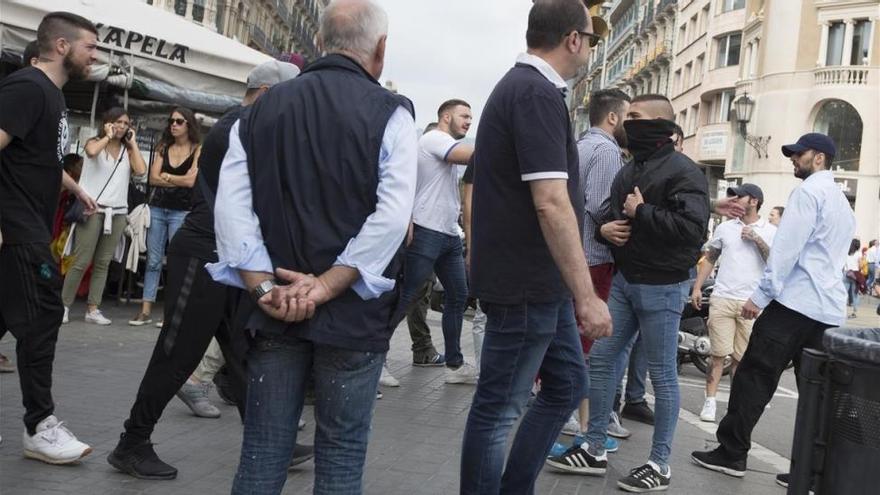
(840,121)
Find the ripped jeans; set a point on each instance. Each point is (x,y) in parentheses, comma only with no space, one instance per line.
(345,391)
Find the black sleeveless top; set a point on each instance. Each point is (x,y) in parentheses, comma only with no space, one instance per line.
(173,198)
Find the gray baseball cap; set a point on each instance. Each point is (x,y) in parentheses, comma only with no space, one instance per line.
(271,73)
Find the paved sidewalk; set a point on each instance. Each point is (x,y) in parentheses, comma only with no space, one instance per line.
(414,447)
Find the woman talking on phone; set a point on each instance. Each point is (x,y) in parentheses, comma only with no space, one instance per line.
(172,176)
(111,157)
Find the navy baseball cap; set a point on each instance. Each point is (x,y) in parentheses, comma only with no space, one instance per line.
(750,190)
(811,141)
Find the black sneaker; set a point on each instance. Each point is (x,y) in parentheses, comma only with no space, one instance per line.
(578,460)
(716,460)
(782,479)
(140,461)
(638,411)
(301,454)
(646,478)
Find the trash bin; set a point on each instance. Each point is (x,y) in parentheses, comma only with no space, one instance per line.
(837,438)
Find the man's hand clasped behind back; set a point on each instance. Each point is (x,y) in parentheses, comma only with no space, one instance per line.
(295,301)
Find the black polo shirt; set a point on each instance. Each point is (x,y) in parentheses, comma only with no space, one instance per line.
(524,135)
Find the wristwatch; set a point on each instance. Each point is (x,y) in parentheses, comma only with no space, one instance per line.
(264,288)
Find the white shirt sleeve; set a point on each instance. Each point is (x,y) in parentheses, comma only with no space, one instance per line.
(239,238)
(384,230)
(437,144)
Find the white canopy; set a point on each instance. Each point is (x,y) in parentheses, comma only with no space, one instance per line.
(159,44)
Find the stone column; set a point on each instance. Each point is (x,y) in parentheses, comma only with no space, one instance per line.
(847,42)
(823,44)
(753,60)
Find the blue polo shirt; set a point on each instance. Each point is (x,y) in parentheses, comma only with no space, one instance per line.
(524,135)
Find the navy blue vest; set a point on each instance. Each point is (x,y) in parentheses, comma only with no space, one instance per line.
(313,155)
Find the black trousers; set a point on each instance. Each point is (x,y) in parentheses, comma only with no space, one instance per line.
(31,310)
(779,336)
(196,309)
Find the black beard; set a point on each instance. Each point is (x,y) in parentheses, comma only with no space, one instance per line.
(75,72)
(801,173)
(620,136)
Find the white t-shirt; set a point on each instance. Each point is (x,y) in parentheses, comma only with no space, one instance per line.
(437,202)
(872,254)
(97,170)
(852,261)
(740,265)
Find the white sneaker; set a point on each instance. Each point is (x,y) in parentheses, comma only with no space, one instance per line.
(615,428)
(54,443)
(466,374)
(66,318)
(572,426)
(387,380)
(97,317)
(708,412)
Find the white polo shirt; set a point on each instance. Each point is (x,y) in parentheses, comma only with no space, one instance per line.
(438,201)
(740,265)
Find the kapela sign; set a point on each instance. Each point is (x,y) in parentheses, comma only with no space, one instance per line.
(137,42)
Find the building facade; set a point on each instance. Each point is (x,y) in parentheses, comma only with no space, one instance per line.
(270,26)
(798,66)
(812,66)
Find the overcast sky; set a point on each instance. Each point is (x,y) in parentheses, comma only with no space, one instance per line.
(439,50)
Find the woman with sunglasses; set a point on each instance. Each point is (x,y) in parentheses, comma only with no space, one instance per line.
(111,157)
(172,177)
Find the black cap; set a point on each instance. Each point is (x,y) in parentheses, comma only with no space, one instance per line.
(746,190)
(811,141)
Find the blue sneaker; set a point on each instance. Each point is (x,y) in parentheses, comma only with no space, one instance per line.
(611,445)
(557,450)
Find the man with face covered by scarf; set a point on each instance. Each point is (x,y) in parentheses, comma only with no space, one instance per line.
(655,223)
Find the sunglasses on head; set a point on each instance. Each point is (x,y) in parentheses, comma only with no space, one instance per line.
(173,121)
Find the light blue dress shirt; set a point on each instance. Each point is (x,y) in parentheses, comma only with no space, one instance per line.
(240,241)
(803,272)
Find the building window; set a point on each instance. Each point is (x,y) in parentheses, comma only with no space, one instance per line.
(861,42)
(676,83)
(728,50)
(721,104)
(693,120)
(682,36)
(198,12)
(221,16)
(842,123)
(728,5)
(688,70)
(704,20)
(180,7)
(698,69)
(836,32)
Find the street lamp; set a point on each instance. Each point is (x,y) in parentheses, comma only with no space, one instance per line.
(744,106)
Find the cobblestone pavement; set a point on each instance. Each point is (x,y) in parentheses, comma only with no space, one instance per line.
(414,447)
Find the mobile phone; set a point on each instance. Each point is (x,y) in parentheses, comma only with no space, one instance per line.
(128,135)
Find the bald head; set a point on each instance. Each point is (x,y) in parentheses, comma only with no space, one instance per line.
(353,27)
(651,106)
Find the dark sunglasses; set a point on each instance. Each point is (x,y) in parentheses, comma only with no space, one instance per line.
(176,121)
(594,38)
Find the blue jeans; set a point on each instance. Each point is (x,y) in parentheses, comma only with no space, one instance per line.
(345,384)
(852,292)
(163,225)
(433,251)
(655,310)
(872,272)
(521,342)
(637,360)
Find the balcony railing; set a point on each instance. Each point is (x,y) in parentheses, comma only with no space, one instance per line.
(856,76)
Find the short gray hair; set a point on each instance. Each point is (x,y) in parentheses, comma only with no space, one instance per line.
(353,29)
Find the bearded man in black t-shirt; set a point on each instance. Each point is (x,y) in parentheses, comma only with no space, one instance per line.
(33,141)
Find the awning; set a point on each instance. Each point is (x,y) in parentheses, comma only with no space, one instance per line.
(207,69)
